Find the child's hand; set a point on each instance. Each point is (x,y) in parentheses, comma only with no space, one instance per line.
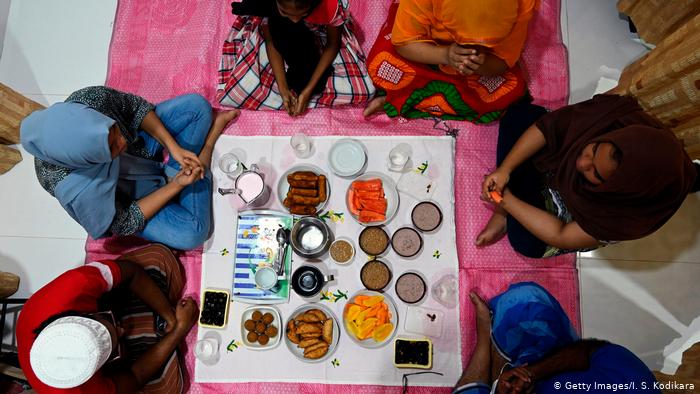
(458,55)
(302,102)
(289,101)
(472,63)
(188,176)
(186,158)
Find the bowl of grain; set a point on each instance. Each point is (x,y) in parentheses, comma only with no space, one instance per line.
(375,275)
(342,251)
(374,240)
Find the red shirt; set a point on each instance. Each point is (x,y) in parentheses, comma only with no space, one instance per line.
(324,13)
(75,290)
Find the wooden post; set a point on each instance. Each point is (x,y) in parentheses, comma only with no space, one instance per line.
(8,158)
(13,108)
(9,283)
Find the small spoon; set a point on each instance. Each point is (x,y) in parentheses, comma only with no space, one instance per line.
(282,240)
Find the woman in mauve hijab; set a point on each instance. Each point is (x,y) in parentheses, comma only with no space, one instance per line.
(583,176)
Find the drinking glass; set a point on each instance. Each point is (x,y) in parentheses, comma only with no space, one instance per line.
(230,164)
(399,156)
(301,144)
(207,350)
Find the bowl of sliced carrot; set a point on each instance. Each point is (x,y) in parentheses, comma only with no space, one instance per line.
(372,199)
(370,319)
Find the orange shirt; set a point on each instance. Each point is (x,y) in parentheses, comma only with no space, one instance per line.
(500,25)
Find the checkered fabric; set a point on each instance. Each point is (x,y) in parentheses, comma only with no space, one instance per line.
(246,79)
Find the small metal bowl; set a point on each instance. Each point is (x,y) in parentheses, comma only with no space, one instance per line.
(311,237)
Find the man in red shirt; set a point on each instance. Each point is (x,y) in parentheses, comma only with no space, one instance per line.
(67,343)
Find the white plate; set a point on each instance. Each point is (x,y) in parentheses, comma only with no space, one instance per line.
(424,321)
(299,352)
(248,314)
(370,343)
(390,193)
(283,185)
(347,157)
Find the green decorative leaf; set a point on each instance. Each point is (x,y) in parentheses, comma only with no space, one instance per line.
(489,117)
(390,110)
(339,295)
(335,362)
(447,90)
(233,345)
(224,252)
(437,254)
(422,168)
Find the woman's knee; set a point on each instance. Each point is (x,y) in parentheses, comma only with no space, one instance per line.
(524,242)
(198,104)
(193,236)
(520,116)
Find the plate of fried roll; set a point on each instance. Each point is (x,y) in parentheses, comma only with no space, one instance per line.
(304,190)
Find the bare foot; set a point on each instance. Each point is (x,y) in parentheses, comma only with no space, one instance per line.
(374,106)
(495,230)
(221,120)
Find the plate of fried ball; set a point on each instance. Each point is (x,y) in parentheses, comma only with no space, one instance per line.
(260,327)
(312,333)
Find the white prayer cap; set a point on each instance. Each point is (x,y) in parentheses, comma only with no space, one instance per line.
(69,351)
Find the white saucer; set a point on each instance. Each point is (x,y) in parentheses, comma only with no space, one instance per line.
(347,157)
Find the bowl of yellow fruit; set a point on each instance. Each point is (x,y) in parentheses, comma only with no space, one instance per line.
(370,319)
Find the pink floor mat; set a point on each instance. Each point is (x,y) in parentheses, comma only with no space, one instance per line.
(161,49)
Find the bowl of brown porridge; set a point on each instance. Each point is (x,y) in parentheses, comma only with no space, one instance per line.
(374,240)
(375,275)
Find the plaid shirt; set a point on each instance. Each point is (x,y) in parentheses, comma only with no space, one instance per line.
(246,79)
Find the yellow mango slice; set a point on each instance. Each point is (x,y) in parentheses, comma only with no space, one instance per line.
(370,321)
(382,332)
(372,301)
(361,317)
(352,328)
(353,311)
(366,328)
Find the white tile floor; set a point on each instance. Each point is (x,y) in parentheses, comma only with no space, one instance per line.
(640,294)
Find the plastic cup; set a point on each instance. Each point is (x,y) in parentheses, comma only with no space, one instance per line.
(444,291)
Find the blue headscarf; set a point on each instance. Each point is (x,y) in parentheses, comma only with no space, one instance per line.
(527,323)
(74,136)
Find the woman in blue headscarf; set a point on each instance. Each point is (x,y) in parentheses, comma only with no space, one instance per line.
(100,153)
(537,349)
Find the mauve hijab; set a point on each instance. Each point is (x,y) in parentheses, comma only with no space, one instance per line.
(650,183)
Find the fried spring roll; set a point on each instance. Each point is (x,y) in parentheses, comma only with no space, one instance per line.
(303,192)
